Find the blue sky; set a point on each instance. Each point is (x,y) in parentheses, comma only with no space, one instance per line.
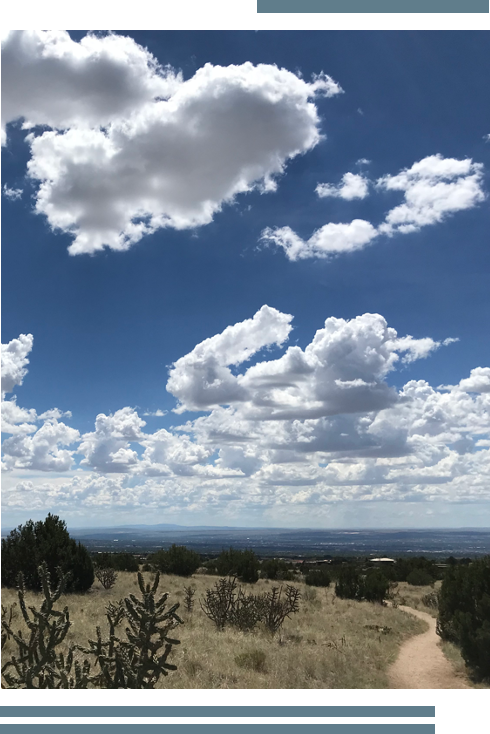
(161,189)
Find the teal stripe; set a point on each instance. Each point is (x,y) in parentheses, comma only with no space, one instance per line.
(223,728)
(372,6)
(221,711)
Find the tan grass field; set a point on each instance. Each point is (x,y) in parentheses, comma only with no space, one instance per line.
(329,643)
(412,596)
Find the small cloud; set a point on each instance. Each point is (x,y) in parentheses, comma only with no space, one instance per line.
(486,138)
(360,112)
(12,194)
(156,414)
(363,162)
(352,186)
(55,414)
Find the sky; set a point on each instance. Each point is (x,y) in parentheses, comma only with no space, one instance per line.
(245,278)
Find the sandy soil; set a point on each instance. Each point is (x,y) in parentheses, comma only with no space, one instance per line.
(421,662)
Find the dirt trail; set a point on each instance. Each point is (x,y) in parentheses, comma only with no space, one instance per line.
(421,662)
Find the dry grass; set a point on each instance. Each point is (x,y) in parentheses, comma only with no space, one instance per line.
(412,596)
(330,643)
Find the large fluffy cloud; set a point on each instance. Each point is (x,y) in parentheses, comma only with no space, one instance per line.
(203,377)
(341,371)
(108,448)
(48,79)
(134,148)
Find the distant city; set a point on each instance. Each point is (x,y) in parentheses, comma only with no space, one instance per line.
(462,542)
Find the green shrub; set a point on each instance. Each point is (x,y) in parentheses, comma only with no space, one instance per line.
(177,559)
(117,561)
(372,586)
(349,583)
(241,563)
(48,541)
(275,569)
(419,577)
(464,613)
(375,586)
(405,566)
(318,577)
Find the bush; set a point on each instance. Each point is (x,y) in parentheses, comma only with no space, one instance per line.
(372,586)
(117,561)
(318,577)
(275,569)
(106,576)
(464,613)
(177,559)
(405,566)
(375,586)
(431,600)
(241,563)
(349,583)
(419,577)
(32,544)
(226,604)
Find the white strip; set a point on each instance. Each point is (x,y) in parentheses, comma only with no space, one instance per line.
(215,720)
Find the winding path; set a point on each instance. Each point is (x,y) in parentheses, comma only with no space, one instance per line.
(421,662)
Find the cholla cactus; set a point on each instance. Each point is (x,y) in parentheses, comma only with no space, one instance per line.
(189,592)
(37,664)
(277,607)
(246,611)
(218,601)
(139,660)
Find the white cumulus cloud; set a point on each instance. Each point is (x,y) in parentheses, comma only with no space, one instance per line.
(41,451)
(331,239)
(48,79)
(352,186)
(133,147)
(108,448)
(433,188)
(203,377)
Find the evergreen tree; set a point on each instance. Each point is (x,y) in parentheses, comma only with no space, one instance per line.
(464,613)
(177,559)
(29,545)
(241,563)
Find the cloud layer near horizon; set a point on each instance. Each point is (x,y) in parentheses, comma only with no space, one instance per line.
(314,426)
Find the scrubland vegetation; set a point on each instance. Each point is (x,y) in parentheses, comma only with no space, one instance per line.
(328,643)
(235,622)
